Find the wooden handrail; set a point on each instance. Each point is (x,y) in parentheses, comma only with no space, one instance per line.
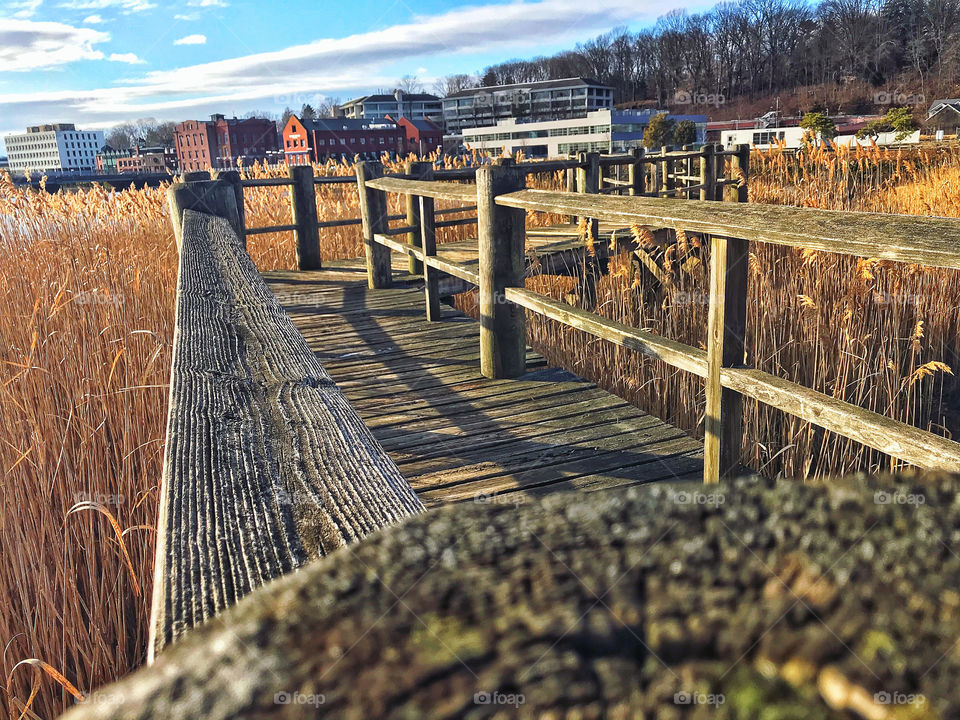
(424,188)
(904,238)
(241,480)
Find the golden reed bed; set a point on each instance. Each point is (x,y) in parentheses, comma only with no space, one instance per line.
(86,310)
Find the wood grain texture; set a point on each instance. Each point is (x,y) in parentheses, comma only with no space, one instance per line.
(266,464)
(914,239)
(436,189)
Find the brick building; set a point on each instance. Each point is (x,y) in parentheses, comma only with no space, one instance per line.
(221,142)
(422,137)
(319,139)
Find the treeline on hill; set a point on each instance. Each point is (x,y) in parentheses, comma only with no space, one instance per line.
(752,48)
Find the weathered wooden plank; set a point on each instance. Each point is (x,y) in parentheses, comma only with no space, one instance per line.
(913,239)
(436,189)
(266,464)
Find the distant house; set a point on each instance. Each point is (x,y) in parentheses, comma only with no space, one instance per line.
(422,136)
(944,115)
(319,139)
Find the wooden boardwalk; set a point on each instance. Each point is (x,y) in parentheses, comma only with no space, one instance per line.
(455,435)
(557,249)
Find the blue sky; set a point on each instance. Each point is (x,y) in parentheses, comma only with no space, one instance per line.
(100,62)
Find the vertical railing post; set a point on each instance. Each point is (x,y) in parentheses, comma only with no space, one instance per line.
(232,178)
(304,205)
(571,178)
(666,176)
(739,165)
(501,234)
(708,173)
(419,171)
(214,197)
(373,216)
(726,335)
(635,173)
(588,181)
(428,234)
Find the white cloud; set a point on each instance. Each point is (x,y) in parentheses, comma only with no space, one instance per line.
(92,20)
(333,66)
(191,40)
(25,9)
(28,45)
(129,58)
(189,17)
(207,3)
(125,6)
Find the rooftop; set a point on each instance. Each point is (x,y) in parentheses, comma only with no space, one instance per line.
(544,84)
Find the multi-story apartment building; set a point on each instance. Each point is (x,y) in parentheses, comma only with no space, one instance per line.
(318,139)
(540,101)
(57,147)
(415,106)
(604,131)
(222,142)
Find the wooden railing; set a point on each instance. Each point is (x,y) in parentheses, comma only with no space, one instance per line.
(663,174)
(253,487)
(502,202)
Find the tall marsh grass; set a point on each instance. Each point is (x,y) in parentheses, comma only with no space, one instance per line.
(86,312)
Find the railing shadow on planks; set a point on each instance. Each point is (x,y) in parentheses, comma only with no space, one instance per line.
(643,193)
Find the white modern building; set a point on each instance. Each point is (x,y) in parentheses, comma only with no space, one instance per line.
(58,147)
(535,101)
(792,138)
(606,131)
(414,106)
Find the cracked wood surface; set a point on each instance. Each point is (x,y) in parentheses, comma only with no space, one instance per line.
(266,465)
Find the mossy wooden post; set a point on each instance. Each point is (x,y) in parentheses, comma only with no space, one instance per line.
(635,173)
(726,331)
(431,277)
(418,171)
(304,204)
(501,235)
(687,170)
(708,173)
(373,215)
(232,178)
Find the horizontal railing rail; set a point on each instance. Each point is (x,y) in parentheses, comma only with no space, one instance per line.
(247,495)
(503,201)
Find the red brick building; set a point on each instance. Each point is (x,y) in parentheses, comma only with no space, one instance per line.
(422,136)
(220,142)
(319,139)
